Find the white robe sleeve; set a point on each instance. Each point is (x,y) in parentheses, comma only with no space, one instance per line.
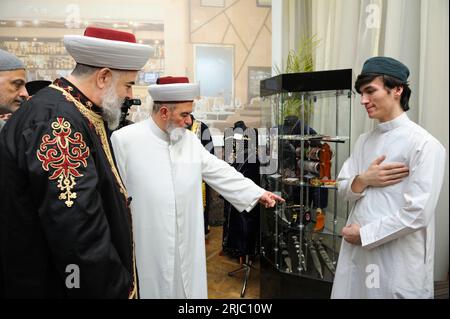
(427,168)
(119,156)
(240,191)
(348,173)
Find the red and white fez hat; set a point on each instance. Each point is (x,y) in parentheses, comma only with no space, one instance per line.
(107,48)
(174,90)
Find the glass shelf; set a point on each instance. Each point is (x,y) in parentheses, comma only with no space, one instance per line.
(296,181)
(322,138)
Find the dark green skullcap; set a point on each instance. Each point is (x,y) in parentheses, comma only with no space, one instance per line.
(9,62)
(387,66)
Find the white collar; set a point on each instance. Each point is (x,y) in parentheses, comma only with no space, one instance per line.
(157,131)
(400,120)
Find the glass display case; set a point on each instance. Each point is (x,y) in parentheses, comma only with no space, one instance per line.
(307,139)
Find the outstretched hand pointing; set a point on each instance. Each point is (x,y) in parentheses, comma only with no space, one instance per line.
(269,199)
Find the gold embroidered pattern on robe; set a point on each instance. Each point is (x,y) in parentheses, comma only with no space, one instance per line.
(64,154)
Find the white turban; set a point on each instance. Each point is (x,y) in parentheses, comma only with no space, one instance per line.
(107,48)
(177,92)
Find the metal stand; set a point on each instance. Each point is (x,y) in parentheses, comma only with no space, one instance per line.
(246,266)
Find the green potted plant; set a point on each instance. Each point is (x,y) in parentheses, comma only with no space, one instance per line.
(297,62)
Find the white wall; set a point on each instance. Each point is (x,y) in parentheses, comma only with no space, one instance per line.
(176,36)
(434,109)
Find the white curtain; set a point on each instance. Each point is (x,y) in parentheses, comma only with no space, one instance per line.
(412,31)
(433,107)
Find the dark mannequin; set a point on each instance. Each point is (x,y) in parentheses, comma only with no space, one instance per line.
(241,229)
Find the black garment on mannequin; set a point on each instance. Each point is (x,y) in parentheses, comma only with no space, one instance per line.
(241,229)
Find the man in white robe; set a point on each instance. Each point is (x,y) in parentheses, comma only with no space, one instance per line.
(162,165)
(393,176)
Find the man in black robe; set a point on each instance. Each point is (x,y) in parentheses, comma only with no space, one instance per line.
(65,223)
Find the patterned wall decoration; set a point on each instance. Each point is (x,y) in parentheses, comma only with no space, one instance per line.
(240,23)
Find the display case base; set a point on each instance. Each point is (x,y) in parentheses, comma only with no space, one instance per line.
(276,284)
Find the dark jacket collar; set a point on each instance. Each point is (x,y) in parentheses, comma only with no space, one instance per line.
(77,94)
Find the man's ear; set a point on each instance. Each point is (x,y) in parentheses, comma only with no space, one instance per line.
(103,78)
(398,91)
(164,111)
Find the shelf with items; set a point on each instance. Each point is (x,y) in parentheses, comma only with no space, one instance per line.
(308,121)
(46,58)
(327,184)
(46,62)
(32,47)
(52,55)
(316,137)
(309,259)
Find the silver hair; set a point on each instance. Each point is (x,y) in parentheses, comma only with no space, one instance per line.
(158,105)
(83,70)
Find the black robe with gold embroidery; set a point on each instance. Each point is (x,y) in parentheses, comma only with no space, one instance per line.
(65,226)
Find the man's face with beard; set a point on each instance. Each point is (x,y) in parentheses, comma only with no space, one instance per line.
(12,89)
(179,119)
(115,94)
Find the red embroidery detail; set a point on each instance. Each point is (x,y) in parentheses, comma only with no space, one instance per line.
(63,154)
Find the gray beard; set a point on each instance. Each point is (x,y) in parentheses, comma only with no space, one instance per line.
(111,107)
(175,133)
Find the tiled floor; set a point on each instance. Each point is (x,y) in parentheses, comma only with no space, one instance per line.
(220,285)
